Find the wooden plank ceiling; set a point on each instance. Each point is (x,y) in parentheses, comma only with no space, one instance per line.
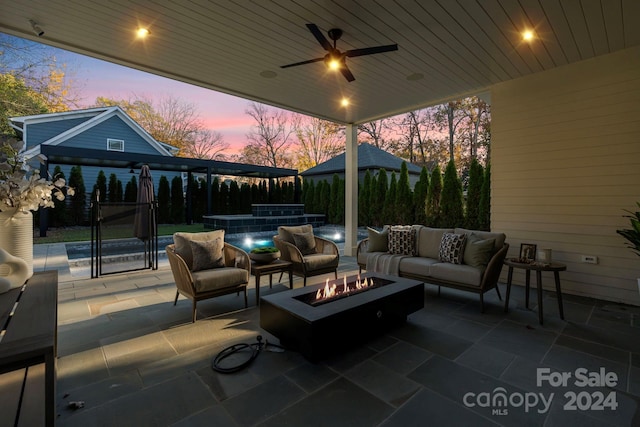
(458,47)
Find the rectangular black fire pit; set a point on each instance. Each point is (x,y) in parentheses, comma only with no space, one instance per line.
(321,329)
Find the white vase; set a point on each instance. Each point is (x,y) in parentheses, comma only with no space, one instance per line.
(16,237)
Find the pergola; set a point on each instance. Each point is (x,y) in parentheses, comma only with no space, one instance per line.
(89,157)
(572,88)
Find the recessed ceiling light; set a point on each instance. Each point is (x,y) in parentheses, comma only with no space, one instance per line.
(344,102)
(415,76)
(142,32)
(528,35)
(268,74)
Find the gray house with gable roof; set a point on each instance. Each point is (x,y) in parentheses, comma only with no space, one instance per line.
(369,158)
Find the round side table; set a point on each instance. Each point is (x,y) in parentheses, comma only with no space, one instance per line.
(556,267)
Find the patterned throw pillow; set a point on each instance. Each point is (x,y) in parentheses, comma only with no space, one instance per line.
(305,242)
(207,254)
(402,240)
(452,247)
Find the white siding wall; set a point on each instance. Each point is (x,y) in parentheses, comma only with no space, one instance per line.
(565,164)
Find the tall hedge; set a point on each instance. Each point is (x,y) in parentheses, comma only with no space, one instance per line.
(177,201)
(451,206)
(78,201)
(404,197)
(433,198)
(101,186)
(131,190)
(474,191)
(112,189)
(58,215)
(420,197)
(484,212)
(390,209)
(364,200)
(164,200)
(378,197)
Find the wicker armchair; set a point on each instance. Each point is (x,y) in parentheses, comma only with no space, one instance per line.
(324,259)
(204,284)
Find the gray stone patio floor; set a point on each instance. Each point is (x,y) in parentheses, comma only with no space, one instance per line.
(136,360)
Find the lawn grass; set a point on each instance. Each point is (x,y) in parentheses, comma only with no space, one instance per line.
(81,234)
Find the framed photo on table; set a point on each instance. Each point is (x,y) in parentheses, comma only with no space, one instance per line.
(527,252)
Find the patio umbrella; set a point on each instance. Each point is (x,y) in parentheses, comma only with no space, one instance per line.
(143,219)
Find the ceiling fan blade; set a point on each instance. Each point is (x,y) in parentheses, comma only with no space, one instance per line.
(347,73)
(302,63)
(371,50)
(319,36)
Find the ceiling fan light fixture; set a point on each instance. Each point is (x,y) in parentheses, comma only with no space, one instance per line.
(333,62)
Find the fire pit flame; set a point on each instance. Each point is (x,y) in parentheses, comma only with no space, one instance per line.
(333,291)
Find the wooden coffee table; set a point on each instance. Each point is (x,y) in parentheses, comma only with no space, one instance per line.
(277,266)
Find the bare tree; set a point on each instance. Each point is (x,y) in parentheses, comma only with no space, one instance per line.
(318,141)
(378,133)
(414,128)
(450,115)
(475,129)
(206,144)
(270,137)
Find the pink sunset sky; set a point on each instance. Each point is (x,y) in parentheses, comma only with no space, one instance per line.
(218,111)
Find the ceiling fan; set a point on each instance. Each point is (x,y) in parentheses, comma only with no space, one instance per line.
(335,59)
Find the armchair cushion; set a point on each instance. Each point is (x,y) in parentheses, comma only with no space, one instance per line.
(305,242)
(320,261)
(183,247)
(207,254)
(219,278)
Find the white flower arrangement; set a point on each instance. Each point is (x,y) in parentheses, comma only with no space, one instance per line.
(22,188)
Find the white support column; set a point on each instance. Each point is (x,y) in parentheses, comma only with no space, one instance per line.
(351,192)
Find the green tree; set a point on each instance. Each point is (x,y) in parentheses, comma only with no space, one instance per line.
(484,212)
(245,198)
(364,200)
(318,208)
(224,198)
(378,198)
(474,191)
(334,203)
(451,207)
(79,199)
(58,215)
(308,190)
(177,201)
(234,198)
(390,210)
(325,197)
(404,197)
(420,197)
(433,198)
(17,99)
(164,200)
(215,196)
(112,190)
(131,190)
(100,187)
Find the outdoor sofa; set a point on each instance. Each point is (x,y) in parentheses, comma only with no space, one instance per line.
(469,260)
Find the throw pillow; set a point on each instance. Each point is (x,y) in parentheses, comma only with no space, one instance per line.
(286,232)
(378,240)
(402,240)
(183,248)
(207,254)
(478,251)
(452,248)
(305,242)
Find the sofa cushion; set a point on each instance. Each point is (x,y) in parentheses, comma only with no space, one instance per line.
(183,247)
(463,274)
(207,254)
(417,266)
(478,251)
(485,235)
(219,278)
(429,241)
(305,242)
(452,248)
(378,240)
(320,261)
(402,240)
(286,232)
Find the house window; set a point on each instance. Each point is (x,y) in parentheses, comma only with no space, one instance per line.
(115,144)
